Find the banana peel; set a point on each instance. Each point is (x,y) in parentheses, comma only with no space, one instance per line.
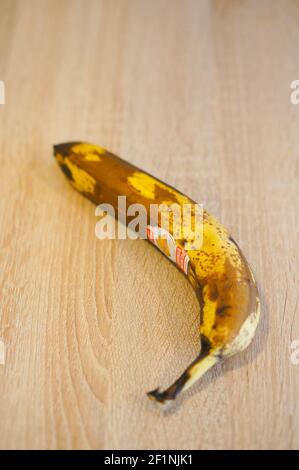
(218,271)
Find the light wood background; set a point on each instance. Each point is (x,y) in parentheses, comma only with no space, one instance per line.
(197,93)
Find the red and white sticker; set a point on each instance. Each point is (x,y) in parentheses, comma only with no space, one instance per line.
(166,243)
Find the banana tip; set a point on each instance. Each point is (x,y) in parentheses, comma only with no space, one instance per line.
(64,148)
(157,396)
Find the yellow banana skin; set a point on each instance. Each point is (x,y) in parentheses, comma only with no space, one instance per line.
(218,271)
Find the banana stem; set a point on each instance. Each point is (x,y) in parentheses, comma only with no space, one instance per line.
(197,369)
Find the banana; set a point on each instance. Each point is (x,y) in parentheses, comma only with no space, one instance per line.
(217,270)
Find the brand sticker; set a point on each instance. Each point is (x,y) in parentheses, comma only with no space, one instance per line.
(166,243)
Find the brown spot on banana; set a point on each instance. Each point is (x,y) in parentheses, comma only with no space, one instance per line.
(218,271)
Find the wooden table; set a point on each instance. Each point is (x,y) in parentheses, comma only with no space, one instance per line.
(197,93)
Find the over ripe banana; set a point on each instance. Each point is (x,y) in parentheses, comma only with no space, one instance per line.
(218,271)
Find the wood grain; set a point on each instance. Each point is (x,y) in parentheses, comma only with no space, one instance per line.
(198,93)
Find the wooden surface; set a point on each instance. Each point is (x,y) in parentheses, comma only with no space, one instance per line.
(197,93)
